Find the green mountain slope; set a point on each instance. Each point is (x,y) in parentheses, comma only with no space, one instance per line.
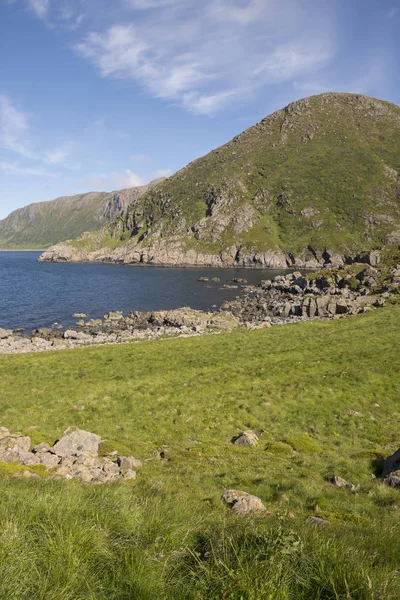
(323,173)
(42,224)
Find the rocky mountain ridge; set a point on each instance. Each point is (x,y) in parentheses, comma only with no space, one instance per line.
(313,184)
(41,224)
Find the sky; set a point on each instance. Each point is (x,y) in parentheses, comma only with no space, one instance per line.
(106,94)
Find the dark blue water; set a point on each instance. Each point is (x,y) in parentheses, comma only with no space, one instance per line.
(36,294)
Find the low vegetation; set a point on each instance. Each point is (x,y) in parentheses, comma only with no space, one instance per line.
(321,396)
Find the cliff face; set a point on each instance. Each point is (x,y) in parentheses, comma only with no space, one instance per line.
(44,223)
(313,183)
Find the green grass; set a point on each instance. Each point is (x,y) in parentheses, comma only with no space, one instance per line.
(166,535)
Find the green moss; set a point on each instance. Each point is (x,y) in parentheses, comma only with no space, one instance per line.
(279,448)
(14,469)
(110,446)
(303,443)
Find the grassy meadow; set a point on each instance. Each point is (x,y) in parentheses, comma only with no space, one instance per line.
(324,398)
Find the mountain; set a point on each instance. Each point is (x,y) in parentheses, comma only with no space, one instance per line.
(42,224)
(315,182)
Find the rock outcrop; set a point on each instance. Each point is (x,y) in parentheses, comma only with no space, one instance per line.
(391,470)
(242,503)
(74,456)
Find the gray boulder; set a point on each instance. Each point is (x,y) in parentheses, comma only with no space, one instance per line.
(247,438)
(76,441)
(391,464)
(242,503)
(15,443)
(127,463)
(317,521)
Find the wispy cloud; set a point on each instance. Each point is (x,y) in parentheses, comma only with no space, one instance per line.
(56,157)
(208,55)
(13,129)
(14,168)
(112,181)
(39,7)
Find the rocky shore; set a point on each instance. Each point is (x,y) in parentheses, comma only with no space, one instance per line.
(328,294)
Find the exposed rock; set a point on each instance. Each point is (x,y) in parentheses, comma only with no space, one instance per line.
(128,463)
(129,474)
(14,443)
(75,441)
(242,503)
(75,455)
(247,438)
(5,333)
(342,483)
(4,433)
(391,464)
(48,459)
(393,479)
(317,521)
(28,458)
(42,448)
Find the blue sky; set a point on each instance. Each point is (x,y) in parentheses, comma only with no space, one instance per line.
(105,94)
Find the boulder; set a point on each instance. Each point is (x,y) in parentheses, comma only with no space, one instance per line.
(76,441)
(127,463)
(129,474)
(15,443)
(28,458)
(5,333)
(48,459)
(242,503)
(186,317)
(114,316)
(393,480)
(342,483)
(317,521)
(247,438)
(41,448)
(391,464)
(4,433)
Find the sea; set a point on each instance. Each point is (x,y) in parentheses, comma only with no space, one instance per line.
(36,294)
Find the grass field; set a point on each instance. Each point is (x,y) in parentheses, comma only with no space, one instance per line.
(167,535)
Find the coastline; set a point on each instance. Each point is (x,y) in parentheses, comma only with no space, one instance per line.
(284,299)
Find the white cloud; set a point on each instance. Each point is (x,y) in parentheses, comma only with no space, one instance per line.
(127,179)
(206,56)
(13,128)
(112,181)
(292,59)
(39,7)
(230,11)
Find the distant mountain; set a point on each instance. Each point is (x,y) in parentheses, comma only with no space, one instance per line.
(314,182)
(42,224)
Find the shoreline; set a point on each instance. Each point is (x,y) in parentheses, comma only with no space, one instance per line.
(290,298)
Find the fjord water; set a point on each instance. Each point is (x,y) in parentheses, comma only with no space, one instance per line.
(41,294)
